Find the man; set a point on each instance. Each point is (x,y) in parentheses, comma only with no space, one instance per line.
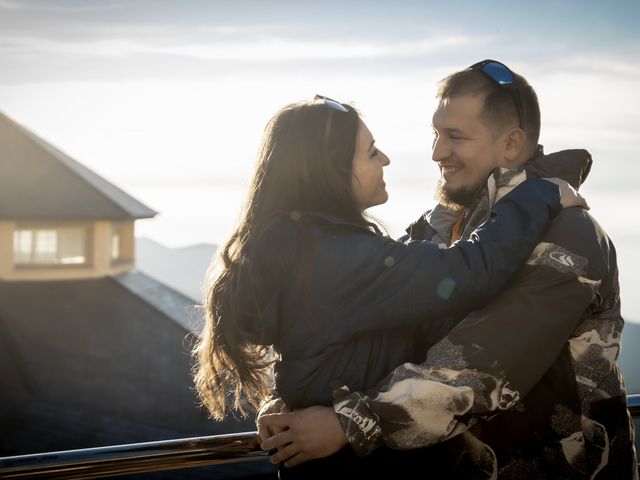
(527,387)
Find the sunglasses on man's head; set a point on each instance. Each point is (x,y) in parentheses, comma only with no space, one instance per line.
(331,103)
(500,74)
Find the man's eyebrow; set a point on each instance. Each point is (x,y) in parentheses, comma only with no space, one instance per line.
(371,146)
(449,131)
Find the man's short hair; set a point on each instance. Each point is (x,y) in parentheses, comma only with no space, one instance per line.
(499,109)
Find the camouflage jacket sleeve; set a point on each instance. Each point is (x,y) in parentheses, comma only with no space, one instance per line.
(489,361)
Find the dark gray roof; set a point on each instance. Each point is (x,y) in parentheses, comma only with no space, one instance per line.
(95,343)
(173,304)
(98,362)
(39,181)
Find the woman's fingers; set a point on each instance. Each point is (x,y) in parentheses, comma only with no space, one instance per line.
(272,424)
(273,406)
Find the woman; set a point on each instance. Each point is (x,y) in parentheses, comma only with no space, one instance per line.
(310,288)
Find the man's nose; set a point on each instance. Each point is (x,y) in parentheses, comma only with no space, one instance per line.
(440,150)
(384,160)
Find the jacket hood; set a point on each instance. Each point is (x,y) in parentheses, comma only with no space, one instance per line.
(570,165)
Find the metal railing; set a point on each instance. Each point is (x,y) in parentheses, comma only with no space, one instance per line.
(100,462)
(146,457)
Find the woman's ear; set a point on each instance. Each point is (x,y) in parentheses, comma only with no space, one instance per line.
(514,147)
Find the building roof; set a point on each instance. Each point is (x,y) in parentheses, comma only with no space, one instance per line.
(170,302)
(95,341)
(98,362)
(38,181)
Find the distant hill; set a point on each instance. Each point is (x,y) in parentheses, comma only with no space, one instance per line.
(182,269)
(630,357)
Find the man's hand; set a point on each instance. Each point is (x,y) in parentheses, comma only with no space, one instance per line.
(306,434)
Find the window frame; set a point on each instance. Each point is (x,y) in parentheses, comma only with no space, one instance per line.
(34,228)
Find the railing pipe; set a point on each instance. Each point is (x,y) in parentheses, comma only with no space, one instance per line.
(89,463)
(116,460)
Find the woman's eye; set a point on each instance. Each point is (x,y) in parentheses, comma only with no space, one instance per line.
(375,152)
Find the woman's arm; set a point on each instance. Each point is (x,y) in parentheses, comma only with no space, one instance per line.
(378,283)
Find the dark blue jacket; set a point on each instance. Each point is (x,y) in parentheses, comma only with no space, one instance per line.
(367,293)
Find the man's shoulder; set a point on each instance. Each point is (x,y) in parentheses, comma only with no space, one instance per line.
(576,225)
(575,231)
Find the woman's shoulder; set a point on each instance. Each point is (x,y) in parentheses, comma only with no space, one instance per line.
(288,237)
(288,225)
(338,226)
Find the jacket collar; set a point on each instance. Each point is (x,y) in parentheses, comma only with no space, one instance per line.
(570,165)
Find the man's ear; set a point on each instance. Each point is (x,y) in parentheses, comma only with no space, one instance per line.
(514,146)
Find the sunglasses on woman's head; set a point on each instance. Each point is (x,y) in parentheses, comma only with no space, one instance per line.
(501,75)
(331,103)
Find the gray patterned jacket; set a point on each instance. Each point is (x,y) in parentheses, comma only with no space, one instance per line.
(527,387)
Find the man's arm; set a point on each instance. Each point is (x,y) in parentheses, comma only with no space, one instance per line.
(486,364)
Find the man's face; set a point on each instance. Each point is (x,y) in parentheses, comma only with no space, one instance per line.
(465,148)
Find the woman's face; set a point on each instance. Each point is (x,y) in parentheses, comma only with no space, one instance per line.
(368,178)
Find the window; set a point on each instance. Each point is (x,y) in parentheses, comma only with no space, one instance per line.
(22,246)
(45,246)
(51,246)
(115,246)
(121,243)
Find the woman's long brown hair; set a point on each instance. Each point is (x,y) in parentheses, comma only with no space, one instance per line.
(304,165)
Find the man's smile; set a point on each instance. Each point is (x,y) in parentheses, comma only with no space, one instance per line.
(449,169)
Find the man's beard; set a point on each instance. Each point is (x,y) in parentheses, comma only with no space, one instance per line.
(454,200)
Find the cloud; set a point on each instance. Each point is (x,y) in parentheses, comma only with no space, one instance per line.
(57,6)
(265,49)
(280,49)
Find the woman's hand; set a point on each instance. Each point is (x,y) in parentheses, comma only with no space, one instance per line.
(306,434)
(275,405)
(569,196)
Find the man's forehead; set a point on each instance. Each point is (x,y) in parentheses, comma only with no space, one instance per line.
(458,112)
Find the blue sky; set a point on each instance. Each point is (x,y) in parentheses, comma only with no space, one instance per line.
(168,99)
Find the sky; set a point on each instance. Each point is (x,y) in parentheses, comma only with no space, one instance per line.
(168,98)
